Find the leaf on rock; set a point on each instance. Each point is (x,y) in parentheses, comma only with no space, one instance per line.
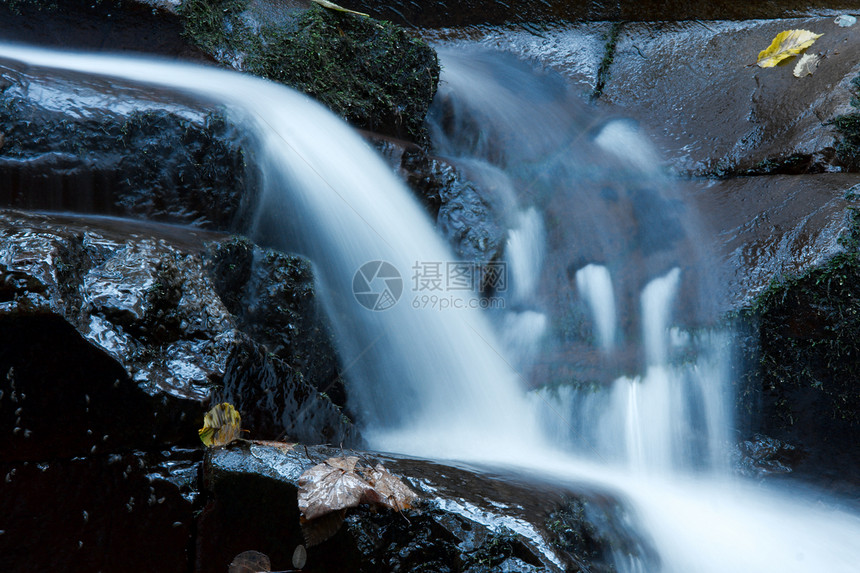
(329,488)
(806,65)
(221,425)
(333,6)
(250,562)
(785,45)
(390,490)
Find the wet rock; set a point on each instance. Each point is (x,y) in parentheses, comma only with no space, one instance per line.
(769,226)
(574,50)
(373,74)
(695,86)
(113,342)
(278,402)
(146,305)
(763,456)
(102,147)
(271,296)
(127,511)
(433,13)
(147,26)
(467,521)
(799,343)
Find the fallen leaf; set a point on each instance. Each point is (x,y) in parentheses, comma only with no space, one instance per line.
(330,486)
(806,65)
(333,6)
(250,562)
(328,489)
(391,491)
(785,45)
(221,425)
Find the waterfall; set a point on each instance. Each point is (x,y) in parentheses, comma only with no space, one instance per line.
(429,374)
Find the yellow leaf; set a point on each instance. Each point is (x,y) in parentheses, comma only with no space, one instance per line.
(785,45)
(221,425)
(333,6)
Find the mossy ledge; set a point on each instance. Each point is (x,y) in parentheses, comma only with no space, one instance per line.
(372,73)
(800,341)
(848,126)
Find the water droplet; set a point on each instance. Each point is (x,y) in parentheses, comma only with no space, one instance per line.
(105,438)
(86,516)
(177,524)
(93,450)
(80,544)
(89,432)
(16,431)
(27,433)
(87,398)
(18,411)
(116,383)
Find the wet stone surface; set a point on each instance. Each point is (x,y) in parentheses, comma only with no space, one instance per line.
(467,520)
(696,87)
(96,145)
(113,342)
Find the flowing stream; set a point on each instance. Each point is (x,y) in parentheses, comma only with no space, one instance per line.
(436,377)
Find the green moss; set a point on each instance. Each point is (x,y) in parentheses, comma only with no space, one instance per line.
(803,336)
(371,73)
(608,57)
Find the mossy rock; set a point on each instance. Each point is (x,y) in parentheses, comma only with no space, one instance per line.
(801,347)
(848,126)
(372,73)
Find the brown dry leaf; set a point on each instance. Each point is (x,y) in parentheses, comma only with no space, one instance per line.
(330,486)
(390,490)
(250,562)
(284,447)
(328,489)
(221,425)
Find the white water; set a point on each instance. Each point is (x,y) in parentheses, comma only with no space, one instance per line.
(436,383)
(595,286)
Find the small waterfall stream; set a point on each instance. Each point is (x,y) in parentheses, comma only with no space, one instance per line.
(441,382)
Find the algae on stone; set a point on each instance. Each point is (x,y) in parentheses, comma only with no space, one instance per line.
(373,74)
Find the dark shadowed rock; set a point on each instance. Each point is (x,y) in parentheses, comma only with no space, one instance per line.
(113,342)
(466,521)
(146,26)
(100,146)
(434,13)
(125,511)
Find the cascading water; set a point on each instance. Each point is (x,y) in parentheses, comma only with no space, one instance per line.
(438,383)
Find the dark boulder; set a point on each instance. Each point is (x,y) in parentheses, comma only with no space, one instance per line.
(119,150)
(435,14)
(465,521)
(113,342)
